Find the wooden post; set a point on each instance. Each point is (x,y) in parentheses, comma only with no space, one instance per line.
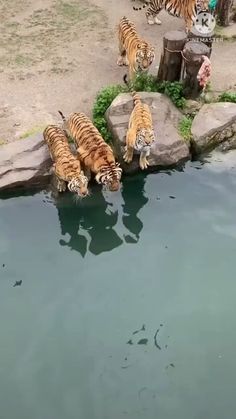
(204,39)
(171,59)
(193,52)
(223,11)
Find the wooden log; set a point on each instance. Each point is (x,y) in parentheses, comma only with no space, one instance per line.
(204,39)
(224,11)
(192,53)
(171,59)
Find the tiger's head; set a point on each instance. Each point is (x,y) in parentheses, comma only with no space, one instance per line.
(110,177)
(144,56)
(144,139)
(79,185)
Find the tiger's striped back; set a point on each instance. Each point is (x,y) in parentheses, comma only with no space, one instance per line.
(66,166)
(93,151)
(57,143)
(140,133)
(139,53)
(186,9)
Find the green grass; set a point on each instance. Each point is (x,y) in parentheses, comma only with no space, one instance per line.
(23,60)
(185,128)
(73,12)
(103,101)
(142,83)
(227,97)
(32,131)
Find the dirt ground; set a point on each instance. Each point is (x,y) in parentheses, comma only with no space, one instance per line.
(58,54)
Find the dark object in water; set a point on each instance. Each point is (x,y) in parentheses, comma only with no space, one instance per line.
(155,340)
(17,283)
(140,330)
(143,342)
(3,265)
(130,342)
(172,197)
(170,365)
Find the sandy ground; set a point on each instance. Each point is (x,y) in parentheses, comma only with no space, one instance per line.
(58,54)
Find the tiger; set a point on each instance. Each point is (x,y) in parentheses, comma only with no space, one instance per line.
(96,155)
(134,51)
(188,9)
(66,166)
(140,135)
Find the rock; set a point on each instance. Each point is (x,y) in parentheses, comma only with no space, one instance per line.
(192,107)
(24,163)
(169,150)
(214,124)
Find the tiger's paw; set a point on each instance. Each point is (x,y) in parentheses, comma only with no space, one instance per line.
(143,164)
(150,21)
(61,185)
(127,157)
(126,61)
(157,21)
(120,61)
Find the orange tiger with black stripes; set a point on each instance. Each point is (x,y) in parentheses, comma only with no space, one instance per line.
(140,135)
(93,151)
(66,167)
(134,51)
(188,9)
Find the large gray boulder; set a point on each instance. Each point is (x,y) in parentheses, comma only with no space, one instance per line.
(214,126)
(24,163)
(169,150)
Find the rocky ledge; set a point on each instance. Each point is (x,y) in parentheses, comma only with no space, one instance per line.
(169,150)
(214,126)
(24,163)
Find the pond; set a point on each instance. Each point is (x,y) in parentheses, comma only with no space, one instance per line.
(126,307)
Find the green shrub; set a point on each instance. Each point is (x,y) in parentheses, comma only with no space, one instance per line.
(142,83)
(145,82)
(185,128)
(148,83)
(227,97)
(102,103)
(175,92)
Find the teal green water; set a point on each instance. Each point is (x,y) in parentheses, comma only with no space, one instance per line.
(127,302)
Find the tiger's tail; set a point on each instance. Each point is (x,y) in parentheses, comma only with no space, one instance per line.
(62,116)
(135,95)
(64,124)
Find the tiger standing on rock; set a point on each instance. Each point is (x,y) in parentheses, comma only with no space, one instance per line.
(188,9)
(140,135)
(66,166)
(134,51)
(93,151)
